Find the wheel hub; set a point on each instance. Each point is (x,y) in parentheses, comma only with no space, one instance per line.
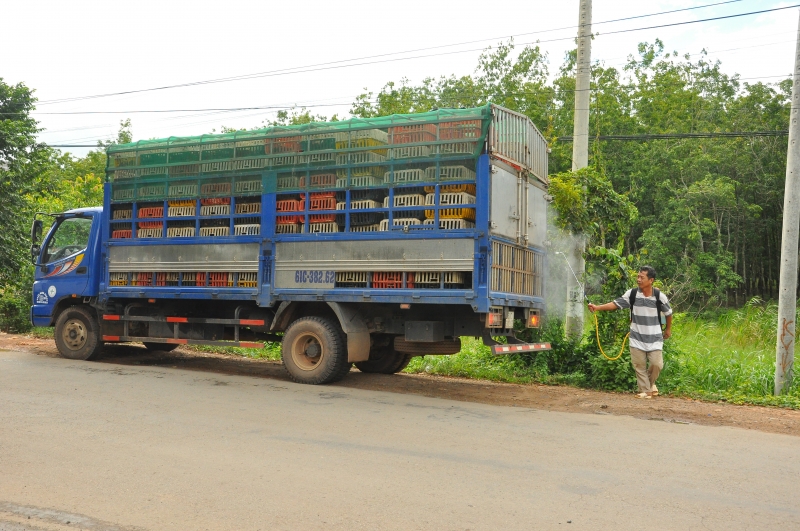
(307,351)
(74,334)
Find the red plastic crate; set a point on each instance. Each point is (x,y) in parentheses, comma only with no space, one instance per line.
(322,218)
(143,279)
(323,203)
(324,180)
(162,280)
(288,205)
(150,224)
(459,130)
(216,201)
(218,280)
(122,233)
(409,134)
(391,280)
(318,195)
(289,144)
(282,220)
(151,212)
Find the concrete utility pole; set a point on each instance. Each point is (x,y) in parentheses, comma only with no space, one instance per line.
(580,159)
(787,291)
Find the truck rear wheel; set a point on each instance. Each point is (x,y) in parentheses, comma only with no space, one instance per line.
(77,334)
(314,351)
(384,360)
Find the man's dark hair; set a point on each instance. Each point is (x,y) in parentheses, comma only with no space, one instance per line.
(651,273)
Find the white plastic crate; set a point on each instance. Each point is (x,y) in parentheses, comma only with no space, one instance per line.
(451,224)
(248,208)
(375,134)
(450,198)
(289,228)
(213,167)
(248,280)
(450,173)
(287,160)
(323,227)
(121,195)
(403,176)
(363,181)
(322,158)
(367,228)
(405,200)
(215,231)
(181,211)
(154,190)
(118,279)
(243,187)
(126,213)
(433,278)
(182,190)
(288,182)
(246,230)
(364,204)
(250,164)
(341,205)
(467,148)
(215,210)
(352,277)
(359,157)
(149,233)
(398,222)
(180,232)
(411,152)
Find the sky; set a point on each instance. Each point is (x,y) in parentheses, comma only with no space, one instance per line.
(322,54)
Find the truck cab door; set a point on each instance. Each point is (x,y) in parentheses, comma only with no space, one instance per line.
(64,265)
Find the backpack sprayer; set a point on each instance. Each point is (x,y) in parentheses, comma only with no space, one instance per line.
(596,323)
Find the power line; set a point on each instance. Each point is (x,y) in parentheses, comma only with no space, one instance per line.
(667,136)
(313,67)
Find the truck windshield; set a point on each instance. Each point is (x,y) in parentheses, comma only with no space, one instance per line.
(70,237)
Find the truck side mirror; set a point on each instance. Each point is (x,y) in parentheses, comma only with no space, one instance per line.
(36,231)
(35,250)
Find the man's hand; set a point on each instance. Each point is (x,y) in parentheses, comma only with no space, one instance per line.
(592,307)
(667,333)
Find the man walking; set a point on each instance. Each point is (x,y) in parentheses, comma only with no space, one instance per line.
(646,339)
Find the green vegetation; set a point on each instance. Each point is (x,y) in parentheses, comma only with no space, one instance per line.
(729,356)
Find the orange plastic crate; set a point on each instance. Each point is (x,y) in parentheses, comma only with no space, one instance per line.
(122,233)
(459,130)
(282,220)
(409,134)
(391,280)
(288,205)
(151,212)
(322,218)
(150,225)
(216,201)
(142,279)
(323,203)
(289,144)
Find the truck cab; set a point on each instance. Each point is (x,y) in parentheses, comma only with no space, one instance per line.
(67,271)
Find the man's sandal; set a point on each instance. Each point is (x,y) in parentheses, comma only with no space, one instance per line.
(643,395)
(654,391)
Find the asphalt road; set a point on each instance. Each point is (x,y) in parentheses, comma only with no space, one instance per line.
(109,447)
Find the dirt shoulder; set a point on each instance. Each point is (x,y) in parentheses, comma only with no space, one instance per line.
(535,396)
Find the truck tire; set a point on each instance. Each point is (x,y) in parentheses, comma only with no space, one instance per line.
(384,360)
(77,334)
(314,351)
(164,347)
(418,348)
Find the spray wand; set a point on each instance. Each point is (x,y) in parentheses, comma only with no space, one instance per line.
(596,324)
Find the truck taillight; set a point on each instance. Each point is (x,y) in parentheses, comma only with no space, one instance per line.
(533,319)
(494,319)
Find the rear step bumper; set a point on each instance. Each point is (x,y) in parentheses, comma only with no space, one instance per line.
(519,347)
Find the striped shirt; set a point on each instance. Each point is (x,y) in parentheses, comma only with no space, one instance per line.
(645,326)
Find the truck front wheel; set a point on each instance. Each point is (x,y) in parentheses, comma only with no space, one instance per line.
(314,351)
(77,334)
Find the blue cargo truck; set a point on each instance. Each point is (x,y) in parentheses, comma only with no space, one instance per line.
(365,241)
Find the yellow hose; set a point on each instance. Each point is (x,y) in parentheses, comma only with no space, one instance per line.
(597,333)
